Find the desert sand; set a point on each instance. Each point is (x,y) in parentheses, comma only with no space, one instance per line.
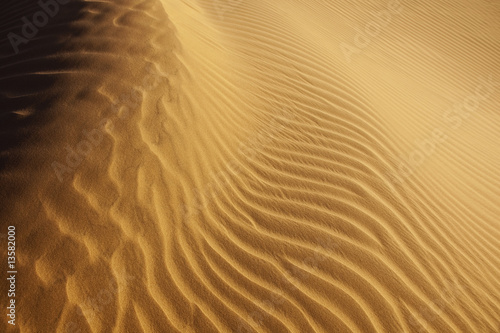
(250,166)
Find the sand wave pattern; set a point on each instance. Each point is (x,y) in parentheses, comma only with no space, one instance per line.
(219,166)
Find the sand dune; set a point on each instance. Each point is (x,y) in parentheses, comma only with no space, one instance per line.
(247,166)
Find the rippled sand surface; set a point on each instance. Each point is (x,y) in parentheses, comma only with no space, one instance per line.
(251,166)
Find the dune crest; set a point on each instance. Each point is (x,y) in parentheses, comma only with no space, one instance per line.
(246,166)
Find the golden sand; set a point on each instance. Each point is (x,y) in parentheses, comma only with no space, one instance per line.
(251,166)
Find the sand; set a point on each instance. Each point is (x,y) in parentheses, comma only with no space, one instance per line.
(251,166)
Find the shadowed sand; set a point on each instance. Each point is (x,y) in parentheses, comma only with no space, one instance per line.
(252,166)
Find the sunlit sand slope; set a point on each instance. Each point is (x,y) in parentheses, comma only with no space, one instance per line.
(253,166)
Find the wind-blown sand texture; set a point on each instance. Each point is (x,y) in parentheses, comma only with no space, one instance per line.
(252,166)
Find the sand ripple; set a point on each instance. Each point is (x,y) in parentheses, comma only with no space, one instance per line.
(217,166)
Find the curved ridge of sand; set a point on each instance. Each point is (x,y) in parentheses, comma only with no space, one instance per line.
(239,174)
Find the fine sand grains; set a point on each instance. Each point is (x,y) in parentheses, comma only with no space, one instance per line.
(252,166)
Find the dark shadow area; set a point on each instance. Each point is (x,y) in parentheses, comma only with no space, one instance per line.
(32,34)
